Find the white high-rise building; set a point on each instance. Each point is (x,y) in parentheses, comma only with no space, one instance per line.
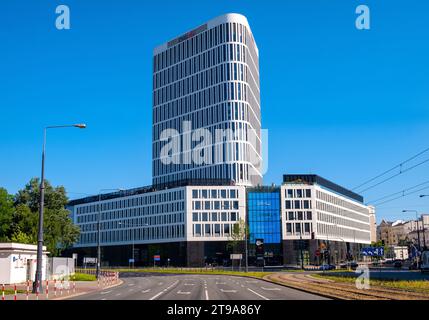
(206,105)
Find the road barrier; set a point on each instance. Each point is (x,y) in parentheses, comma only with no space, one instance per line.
(14,295)
(27,292)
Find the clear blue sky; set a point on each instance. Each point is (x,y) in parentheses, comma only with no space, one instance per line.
(339,102)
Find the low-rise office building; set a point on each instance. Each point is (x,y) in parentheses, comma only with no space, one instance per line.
(322,221)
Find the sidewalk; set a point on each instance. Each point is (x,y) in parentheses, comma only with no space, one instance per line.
(60,292)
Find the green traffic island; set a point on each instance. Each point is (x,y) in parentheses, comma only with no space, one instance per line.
(418,286)
(82,277)
(258,274)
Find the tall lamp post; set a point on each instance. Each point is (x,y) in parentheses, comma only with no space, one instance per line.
(38,278)
(133,225)
(423,223)
(418,226)
(97,271)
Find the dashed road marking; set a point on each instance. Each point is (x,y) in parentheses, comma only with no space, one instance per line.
(105,292)
(183,292)
(146,291)
(273,289)
(233,291)
(166,289)
(260,295)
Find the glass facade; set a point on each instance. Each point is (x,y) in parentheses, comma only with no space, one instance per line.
(264,222)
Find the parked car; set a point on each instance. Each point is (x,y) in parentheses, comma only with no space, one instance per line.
(397,264)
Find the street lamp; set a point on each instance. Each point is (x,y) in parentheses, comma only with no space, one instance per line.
(133,225)
(38,278)
(418,227)
(97,271)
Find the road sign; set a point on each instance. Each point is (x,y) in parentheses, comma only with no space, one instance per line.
(373,251)
(156,258)
(236,256)
(131,260)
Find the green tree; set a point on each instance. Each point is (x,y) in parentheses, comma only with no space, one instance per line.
(6,215)
(59,230)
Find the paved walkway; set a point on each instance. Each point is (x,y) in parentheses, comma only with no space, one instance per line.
(65,291)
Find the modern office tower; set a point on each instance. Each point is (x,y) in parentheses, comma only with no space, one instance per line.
(320,216)
(206,105)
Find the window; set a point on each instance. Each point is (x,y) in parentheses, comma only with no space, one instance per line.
(197,205)
(207,229)
(204,194)
(217,229)
(224,216)
(214,194)
(233,216)
(288,204)
(297,204)
(309,216)
(306,227)
(214,216)
(297,227)
(289,193)
(306,204)
(298,193)
(226,229)
(216,205)
(207,205)
(223,194)
(232,194)
(290,215)
(308,193)
(300,215)
(204,216)
(194,216)
(198,230)
(289,228)
(195,194)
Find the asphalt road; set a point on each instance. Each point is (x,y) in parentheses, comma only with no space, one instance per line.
(196,287)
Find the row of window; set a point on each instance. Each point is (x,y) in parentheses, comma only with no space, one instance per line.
(135,212)
(215,216)
(298,193)
(228,32)
(133,235)
(215,194)
(210,230)
(341,221)
(215,205)
(298,204)
(341,232)
(207,66)
(131,202)
(238,172)
(299,215)
(298,228)
(341,211)
(340,202)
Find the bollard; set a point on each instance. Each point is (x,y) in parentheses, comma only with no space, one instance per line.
(55,287)
(47,289)
(28,289)
(61,288)
(14,295)
(37,290)
(2,291)
(74,286)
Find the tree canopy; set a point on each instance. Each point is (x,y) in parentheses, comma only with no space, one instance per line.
(19,216)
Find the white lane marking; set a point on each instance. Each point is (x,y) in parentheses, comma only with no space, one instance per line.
(131,290)
(207,295)
(105,292)
(103,299)
(161,283)
(146,291)
(252,281)
(274,289)
(242,286)
(260,295)
(189,284)
(130,284)
(228,290)
(183,292)
(166,289)
(118,294)
(220,282)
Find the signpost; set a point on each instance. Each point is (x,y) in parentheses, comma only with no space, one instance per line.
(156,258)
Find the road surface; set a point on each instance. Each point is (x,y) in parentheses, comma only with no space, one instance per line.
(196,287)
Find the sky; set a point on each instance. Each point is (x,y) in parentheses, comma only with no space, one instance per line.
(343,103)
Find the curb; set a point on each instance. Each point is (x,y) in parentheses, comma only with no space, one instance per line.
(82,293)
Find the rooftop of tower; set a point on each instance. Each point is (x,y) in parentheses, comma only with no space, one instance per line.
(228,17)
